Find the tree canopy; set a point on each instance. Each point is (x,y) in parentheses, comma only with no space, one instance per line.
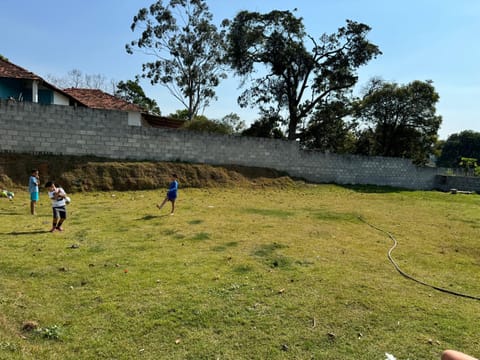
(202,124)
(186,47)
(298,80)
(328,130)
(131,91)
(400,120)
(230,124)
(464,144)
(266,126)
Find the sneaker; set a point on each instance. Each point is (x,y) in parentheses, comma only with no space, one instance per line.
(52,229)
(159,207)
(59,228)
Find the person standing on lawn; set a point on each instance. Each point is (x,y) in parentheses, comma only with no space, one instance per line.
(171,194)
(57,195)
(33,183)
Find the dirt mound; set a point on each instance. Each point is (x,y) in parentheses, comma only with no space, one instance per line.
(94,174)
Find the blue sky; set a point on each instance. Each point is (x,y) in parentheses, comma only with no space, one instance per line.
(420,40)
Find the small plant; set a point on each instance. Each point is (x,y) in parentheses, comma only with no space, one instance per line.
(468,164)
(51,332)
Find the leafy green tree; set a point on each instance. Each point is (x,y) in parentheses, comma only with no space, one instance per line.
(187,50)
(469,165)
(297,79)
(365,142)
(203,124)
(464,144)
(267,126)
(132,92)
(437,148)
(229,125)
(401,120)
(233,122)
(180,115)
(328,131)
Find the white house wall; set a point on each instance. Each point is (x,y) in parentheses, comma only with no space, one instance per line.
(60,99)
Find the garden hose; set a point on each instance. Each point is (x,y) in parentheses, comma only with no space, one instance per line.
(407,275)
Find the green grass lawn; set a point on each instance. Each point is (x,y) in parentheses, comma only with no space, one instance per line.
(241,274)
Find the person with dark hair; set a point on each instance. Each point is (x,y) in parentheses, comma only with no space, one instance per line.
(33,183)
(57,195)
(171,194)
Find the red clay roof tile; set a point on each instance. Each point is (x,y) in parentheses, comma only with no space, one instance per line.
(98,99)
(9,70)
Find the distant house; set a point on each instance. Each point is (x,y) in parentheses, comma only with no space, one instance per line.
(19,84)
(98,99)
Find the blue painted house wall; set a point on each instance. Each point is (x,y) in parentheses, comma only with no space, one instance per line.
(16,89)
(10,88)
(45,96)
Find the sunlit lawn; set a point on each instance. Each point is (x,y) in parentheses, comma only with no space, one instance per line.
(241,274)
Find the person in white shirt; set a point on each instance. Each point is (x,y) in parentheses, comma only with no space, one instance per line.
(57,195)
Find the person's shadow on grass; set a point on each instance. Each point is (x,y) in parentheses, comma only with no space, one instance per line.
(33,232)
(10,213)
(152,217)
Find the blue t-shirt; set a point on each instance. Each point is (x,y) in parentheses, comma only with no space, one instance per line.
(172,190)
(33,184)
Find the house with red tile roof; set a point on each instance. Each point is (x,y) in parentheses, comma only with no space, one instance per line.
(19,84)
(97,99)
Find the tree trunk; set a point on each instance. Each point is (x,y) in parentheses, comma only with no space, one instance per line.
(292,128)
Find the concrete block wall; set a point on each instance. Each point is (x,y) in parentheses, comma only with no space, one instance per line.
(35,128)
(462,183)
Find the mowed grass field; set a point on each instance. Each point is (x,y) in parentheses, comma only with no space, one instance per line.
(245,273)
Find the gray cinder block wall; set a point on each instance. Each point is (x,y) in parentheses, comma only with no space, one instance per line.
(34,128)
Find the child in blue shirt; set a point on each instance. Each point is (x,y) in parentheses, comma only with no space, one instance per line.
(33,183)
(171,193)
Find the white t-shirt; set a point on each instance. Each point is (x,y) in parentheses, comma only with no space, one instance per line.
(60,201)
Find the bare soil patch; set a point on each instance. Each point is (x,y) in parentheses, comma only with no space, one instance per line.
(96,174)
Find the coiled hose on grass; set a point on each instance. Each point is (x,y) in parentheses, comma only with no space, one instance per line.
(407,275)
